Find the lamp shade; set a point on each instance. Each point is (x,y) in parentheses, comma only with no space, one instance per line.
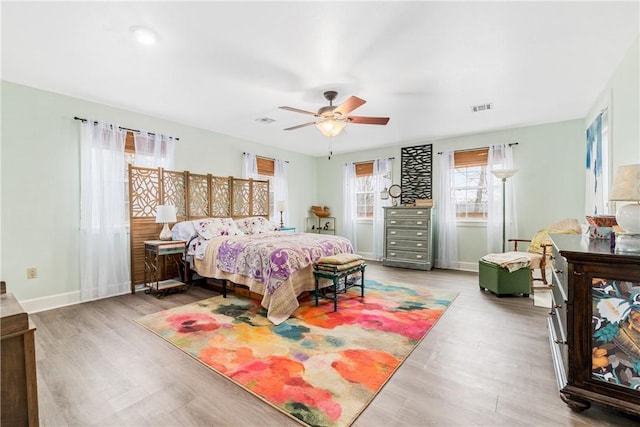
(281,205)
(504,173)
(166,213)
(626,187)
(626,183)
(330,127)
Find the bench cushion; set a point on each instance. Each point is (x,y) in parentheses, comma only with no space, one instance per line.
(339,259)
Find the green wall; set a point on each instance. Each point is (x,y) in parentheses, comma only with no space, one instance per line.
(40,169)
(41,188)
(550,183)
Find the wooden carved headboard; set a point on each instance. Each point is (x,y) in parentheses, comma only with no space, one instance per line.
(194,196)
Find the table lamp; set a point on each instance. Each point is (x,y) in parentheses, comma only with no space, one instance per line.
(165,214)
(281,206)
(626,188)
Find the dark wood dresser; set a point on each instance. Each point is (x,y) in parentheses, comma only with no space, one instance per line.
(17,365)
(594,324)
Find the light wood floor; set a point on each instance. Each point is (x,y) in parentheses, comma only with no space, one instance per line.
(486,362)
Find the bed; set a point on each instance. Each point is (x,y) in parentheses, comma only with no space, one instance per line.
(251,252)
(223,204)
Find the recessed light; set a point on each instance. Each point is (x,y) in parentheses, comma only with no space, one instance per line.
(265,120)
(143,35)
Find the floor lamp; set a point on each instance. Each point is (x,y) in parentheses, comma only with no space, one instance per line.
(504,174)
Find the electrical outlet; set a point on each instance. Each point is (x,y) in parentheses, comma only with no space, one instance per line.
(32,273)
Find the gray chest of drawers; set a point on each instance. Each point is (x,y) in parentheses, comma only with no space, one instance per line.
(407,238)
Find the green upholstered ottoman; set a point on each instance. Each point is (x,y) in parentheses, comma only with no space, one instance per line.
(499,281)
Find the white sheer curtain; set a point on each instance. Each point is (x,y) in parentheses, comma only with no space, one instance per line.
(104,241)
(500,157)
(447,256)
(349,204)
(154,150)
(249,166)
(381,180)
(281,187)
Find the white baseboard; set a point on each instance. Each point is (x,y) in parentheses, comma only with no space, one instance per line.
(367,255)
(468,266)
(56,301)
(50,302)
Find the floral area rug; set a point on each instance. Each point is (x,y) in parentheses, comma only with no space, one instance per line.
(320,367)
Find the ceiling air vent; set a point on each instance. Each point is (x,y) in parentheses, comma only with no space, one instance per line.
(481,107)
(265,120)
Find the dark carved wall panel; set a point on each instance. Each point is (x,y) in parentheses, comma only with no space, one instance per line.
(415,177)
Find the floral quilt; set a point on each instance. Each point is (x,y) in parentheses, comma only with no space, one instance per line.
(271,258)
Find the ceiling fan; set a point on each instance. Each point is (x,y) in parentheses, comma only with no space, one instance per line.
(333,118)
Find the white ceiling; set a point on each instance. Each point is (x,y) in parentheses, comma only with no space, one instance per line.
(221,65)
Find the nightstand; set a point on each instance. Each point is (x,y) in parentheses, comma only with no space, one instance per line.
(288,229)
(171,251)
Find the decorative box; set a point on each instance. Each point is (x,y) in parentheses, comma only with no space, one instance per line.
(596,232)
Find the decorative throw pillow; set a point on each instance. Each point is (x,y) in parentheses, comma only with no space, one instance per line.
(183,230)
(214,227)
(255,225)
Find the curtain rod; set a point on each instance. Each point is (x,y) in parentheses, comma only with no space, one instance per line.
(479,148)
(121,128)
(263,157)
(368,161)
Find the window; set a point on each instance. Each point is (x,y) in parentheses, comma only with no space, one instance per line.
(266,172)
(469,183)
(365,192)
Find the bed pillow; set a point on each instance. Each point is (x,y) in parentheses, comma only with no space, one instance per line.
(214,227)
(183,230)
(255,225)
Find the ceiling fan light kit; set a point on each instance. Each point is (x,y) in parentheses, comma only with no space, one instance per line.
(334,118)
(330,127)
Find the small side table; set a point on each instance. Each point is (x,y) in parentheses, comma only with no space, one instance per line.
(288,229)
(172,250)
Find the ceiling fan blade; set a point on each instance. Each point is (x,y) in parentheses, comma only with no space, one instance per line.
(349,105)
(368,120)
(300,126)
(297,110)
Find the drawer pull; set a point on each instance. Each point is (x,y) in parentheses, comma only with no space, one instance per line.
(419,222)
(559,271)
(392,232)
(419,245)
(418,212)
(419,233)
(577,273)
(392,243)
(557,306)
(393,212)
(392,222)
(419,256)
(559,342)
(393,254)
